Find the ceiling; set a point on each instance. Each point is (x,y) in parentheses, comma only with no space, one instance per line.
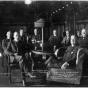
(19,12)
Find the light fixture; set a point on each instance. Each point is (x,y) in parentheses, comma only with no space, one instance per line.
(71,2)
(62,7)
(59,9)
(67,5)
(53,12)
(56,10)
(28,2)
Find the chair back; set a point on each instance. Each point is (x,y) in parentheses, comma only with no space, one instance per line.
(80,55)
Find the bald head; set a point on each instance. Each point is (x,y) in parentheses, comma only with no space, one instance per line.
(73,40)
(83,32)
(54,32)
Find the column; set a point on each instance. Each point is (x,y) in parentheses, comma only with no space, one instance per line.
(74,22)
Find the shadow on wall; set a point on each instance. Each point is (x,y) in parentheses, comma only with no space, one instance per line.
(3,31)
(17,28)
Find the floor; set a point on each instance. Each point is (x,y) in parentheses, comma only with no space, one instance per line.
(37,82)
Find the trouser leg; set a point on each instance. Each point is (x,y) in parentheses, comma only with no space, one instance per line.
(28,62)
(22,68)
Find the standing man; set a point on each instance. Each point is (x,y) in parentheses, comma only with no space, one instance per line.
(17,53)
(66,39)
(53,40)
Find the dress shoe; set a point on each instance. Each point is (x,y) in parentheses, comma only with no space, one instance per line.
(31,76)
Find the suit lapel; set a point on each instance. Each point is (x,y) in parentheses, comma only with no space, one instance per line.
(15,48)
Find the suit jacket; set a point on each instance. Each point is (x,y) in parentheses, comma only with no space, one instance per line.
(23,39)
(36,37)
(15,47)
(70,55)
(65,41)
(5,43)
(53,40)
(83,43)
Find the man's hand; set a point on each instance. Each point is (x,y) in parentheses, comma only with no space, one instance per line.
(15,54)
(64,65)
(56,52)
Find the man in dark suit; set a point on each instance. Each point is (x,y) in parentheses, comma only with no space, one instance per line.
(16,50)
(83,43)
(83,40)
(22,36)
(4,47)
(66,39)
(70,55)
(69,58)
(6,41)
(36,36)
(36,39)
(54,40)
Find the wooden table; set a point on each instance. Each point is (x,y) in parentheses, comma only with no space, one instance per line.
(43,53)
(40,52)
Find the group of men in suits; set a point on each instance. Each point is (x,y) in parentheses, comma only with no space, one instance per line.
(72,45)
(16,49)
(57,42)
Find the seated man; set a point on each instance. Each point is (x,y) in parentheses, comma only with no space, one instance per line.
(23,36)
(69,58)
(5,44)
(36,39)
(6,41)
(16,51)
(83,43)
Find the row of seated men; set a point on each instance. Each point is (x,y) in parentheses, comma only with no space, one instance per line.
(16,49)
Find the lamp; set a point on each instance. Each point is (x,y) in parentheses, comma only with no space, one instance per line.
(28,1)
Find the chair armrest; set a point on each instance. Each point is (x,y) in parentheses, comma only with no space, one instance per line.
(79,61)
(78,52)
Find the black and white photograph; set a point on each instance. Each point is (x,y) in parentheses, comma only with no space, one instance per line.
(43,43)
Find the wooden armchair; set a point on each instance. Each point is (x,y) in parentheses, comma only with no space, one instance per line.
(12,66)
(69,75)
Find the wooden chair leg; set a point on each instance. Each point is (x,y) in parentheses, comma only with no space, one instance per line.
(9,73)
(47,83)
(2,62)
